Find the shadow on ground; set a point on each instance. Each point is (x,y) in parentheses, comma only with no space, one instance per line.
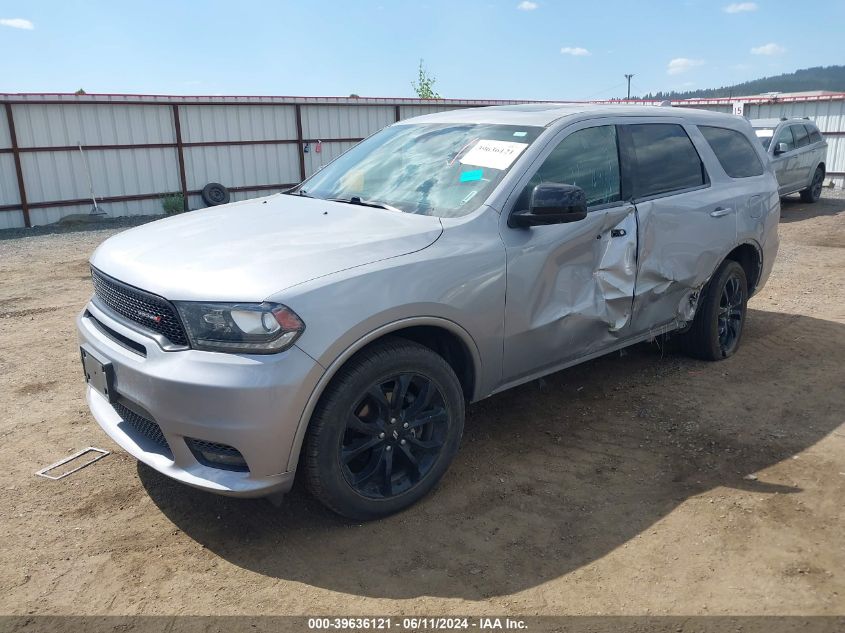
(793,210)
(553,477)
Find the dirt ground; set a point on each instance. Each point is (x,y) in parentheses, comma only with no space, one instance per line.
(641,483)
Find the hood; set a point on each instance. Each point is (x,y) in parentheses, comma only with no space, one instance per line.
(249,250)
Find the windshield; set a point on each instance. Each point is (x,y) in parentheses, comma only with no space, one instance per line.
(445,170)
(765,135)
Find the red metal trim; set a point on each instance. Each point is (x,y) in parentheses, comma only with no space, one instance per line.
(13,139)
(292,99)
(75,148)
(183,181)
(300,141)
(274,141)
(139,196)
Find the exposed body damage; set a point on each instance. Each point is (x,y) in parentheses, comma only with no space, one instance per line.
(442,260)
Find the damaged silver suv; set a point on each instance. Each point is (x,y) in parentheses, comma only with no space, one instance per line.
(342,327)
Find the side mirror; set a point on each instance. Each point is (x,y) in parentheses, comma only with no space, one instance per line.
(552,203)
(781,148)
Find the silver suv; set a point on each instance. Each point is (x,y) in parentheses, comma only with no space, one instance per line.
(798,153)
(344,325)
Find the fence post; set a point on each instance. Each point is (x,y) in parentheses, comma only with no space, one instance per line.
(177,126)
(16,154)
(300,143)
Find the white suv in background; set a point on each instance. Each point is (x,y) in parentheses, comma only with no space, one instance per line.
(798,153)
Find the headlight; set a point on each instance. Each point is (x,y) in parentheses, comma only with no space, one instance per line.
(251,328)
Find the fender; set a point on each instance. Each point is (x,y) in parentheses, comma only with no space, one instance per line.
(699,290)
(371,336)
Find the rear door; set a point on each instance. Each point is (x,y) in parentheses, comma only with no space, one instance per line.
(570,286)
(805,154)
(685,224)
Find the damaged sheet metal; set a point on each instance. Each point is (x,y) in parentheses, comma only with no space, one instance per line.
(681,243)
(570,289)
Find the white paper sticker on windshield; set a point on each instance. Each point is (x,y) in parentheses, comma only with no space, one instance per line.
(764,133)
(493,154)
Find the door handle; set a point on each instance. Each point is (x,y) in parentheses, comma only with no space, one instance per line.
(720,212)
(618,233)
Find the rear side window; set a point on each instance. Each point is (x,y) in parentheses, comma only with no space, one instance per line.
(734,151)
(815,136)
(665,160)
(801,136)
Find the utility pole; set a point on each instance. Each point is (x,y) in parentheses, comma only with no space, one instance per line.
(628,77)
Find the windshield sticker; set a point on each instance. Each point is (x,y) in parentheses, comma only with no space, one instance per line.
(470,176)
(468,197)
(520,133)
(764,133)
(493,154)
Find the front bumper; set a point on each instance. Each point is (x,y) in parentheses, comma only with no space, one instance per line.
(249,402)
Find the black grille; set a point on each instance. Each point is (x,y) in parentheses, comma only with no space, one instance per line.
(149,310)
(143,426)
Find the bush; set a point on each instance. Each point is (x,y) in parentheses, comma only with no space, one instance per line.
(173,203)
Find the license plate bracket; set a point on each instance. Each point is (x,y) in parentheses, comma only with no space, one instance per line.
(98,374)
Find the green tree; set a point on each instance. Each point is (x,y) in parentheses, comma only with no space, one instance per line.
(424,86)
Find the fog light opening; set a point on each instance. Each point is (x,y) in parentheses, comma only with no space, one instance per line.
(217,455)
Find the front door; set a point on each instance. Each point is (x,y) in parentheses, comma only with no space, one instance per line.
(785,163)
(570,286)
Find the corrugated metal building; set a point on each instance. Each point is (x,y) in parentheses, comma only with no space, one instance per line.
(138,147)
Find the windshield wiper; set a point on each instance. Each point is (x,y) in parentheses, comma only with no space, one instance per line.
(366,203)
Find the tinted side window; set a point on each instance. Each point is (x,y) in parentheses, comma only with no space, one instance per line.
(734,151)
(664,159)
(785,136)
(815,136)
(589,159)
(801,136)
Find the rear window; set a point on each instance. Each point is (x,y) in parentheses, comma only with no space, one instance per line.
(665,159)
(815,135)
(736,155)
(801,136)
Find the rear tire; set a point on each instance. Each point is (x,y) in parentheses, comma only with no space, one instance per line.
(385,430)
(814,191)
(716,331)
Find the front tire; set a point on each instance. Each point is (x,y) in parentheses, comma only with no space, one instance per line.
(385,430)
(814,191)
(717,329)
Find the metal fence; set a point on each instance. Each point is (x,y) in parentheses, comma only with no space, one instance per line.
(135,148)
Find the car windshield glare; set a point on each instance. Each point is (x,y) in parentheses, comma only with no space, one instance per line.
(444,170)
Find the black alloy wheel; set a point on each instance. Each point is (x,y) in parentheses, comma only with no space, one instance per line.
(393,436)
(385,430)
(730,315)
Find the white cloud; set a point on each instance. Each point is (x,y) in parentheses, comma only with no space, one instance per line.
(527,5)
(740,7)
(17,23)
(575,51)
(682,64)
(768,49)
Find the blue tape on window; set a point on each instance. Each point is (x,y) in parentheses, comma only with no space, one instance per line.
(470,176)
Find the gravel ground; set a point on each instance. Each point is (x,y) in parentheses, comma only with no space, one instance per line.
(642,483)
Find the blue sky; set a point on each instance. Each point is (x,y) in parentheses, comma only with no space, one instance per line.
(520,49)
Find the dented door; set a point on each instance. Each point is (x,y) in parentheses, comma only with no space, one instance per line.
(570,289)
